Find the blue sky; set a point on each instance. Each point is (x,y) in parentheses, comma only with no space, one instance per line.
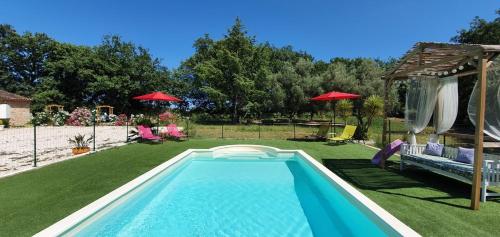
(325,29)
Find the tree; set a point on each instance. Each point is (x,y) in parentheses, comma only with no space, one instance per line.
(122,71)
(22,59)
(480,32)
(233,76)
(344,109)
(227,71)
(68,74)
(372,107)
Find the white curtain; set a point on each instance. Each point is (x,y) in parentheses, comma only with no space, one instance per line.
(492,111)
(446,109)
(420,103)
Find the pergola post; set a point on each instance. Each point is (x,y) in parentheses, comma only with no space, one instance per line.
(386,111)
(478,141)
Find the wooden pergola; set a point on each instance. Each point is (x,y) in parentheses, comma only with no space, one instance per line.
(100,107)
(442,60)
(49,108)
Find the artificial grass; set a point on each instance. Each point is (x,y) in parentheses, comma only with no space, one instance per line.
(430,204)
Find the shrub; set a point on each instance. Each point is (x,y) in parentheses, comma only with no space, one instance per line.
(168,117)
(112,118)
(80,117)
(144,121)
(372,107)
(121,120)
(206,118)
(102,118)
(344,109)
(189,129)
(5,122)
(135,117)
(79,141)
(59,118)
(40,119)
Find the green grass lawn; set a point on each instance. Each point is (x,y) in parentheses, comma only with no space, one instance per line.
(430,204)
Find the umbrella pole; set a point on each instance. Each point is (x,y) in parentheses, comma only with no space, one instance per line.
(158,119)
(334,118)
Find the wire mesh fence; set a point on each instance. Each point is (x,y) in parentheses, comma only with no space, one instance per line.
(26,147)
(278,131)
(16,148)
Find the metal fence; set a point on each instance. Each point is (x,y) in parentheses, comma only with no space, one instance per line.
(22,148)
(279,131)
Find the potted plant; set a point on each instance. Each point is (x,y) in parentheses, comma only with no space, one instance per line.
(4,123)
(81,144)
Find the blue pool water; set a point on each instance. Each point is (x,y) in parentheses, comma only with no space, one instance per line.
(235,197)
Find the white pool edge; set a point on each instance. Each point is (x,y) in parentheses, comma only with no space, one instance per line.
(79,216)
(398,226)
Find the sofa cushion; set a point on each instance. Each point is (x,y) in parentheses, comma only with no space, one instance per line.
(433,149)
(450,152)
(465,155)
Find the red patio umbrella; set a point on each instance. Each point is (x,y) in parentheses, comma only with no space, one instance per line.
(334,95)
(157,96)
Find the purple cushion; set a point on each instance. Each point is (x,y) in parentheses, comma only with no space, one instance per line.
(433,149)
(465,155)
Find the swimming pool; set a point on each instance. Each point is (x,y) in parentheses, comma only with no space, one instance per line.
(239,190)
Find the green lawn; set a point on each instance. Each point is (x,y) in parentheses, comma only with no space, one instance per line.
(430,204)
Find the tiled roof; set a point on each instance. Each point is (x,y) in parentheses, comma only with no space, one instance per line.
(7,96)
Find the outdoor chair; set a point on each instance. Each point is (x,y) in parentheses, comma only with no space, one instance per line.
(145,133)
(346,135)
(321,135)
(173,131)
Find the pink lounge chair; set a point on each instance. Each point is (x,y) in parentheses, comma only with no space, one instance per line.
(174,132)
(146,134)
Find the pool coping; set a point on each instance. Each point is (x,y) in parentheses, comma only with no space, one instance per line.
(63,225)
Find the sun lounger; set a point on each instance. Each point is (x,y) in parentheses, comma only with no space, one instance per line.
(321,134)
(145,133)
(174,132)
(346,135)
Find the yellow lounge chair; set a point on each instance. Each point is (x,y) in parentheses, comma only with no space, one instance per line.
(346,135)
(321,135)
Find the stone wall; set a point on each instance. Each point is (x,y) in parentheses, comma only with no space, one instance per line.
(20,113)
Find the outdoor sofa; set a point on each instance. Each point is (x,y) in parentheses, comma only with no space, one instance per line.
(412,155)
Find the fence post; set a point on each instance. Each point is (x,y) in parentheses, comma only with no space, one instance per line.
(187,127)
(293,131)
(93,140)
(259,129)
(34,144)
(390,131)
(126,124)
(222,130)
